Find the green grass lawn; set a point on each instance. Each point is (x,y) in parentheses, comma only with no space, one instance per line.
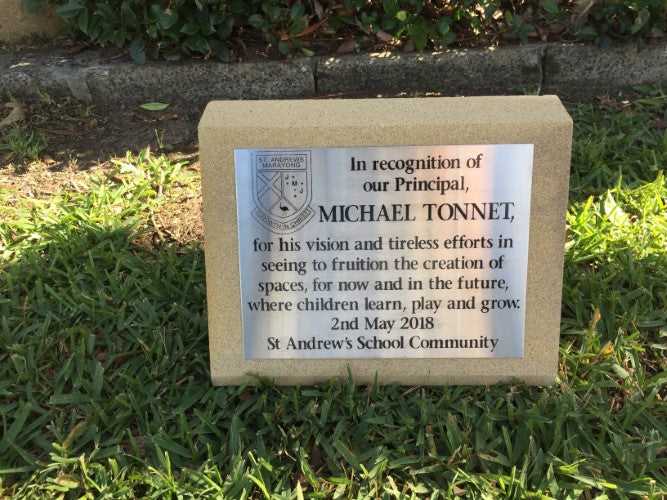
(104,382)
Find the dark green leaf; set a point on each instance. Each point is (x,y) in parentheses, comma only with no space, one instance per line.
(69,10)
(273,12)
(216,17)
(156,10)
(448,39)
(299,26)
(128,17)
(137,52)
(283,48)
(219,50)
(643,17)
(106,12)
(238,6)
(118,37)
(420,40)
(256,20)
(94,28)
(167,19)
(297,11)
(296,43)
(172,55)
(604,41)
(509,18)
(551,7)
(587,33)
(206,29)
(197,43)
(390,7)
(190,28)
(351,20)
(82,21)
(443,25)
(225,28)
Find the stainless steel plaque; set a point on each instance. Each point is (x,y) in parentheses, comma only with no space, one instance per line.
(384,252)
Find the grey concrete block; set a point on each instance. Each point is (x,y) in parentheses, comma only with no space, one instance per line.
(550,68)
(199,81)
(90,77)
(21,75)
(589,69)
(465,72)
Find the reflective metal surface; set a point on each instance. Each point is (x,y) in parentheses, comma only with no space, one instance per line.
(381,252)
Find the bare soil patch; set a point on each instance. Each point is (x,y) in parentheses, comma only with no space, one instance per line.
(81,138)
(84,139)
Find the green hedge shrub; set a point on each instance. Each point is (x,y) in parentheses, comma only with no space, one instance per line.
(172,28)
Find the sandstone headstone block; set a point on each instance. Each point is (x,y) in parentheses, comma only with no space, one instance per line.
(417,241)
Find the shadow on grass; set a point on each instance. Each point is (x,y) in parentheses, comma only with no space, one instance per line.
(105,388)
(623,143)
(97,329)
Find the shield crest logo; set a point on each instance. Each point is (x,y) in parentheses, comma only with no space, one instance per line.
(282,189)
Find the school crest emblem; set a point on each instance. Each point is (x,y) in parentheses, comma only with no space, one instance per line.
(282,189)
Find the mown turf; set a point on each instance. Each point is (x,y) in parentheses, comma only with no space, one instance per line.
(104,387)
